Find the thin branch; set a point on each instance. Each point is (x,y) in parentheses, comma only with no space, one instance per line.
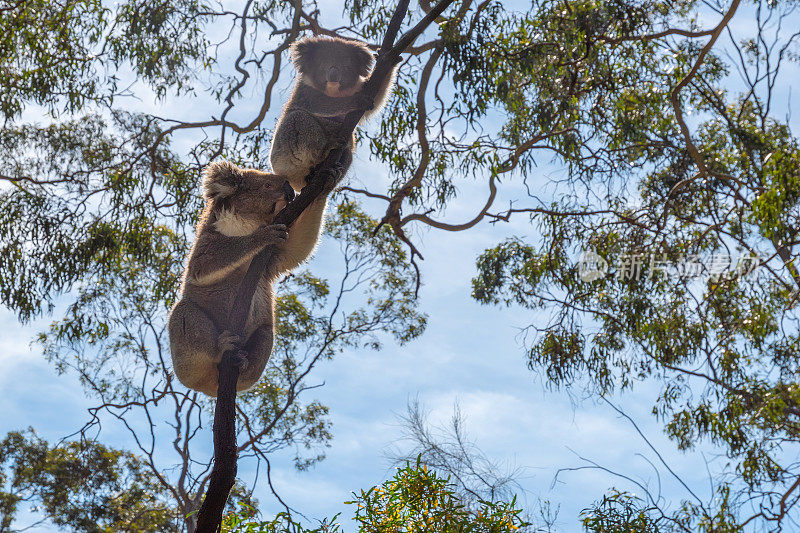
(676,104)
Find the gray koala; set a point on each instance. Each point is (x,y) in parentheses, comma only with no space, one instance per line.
(331,73)
(235,225)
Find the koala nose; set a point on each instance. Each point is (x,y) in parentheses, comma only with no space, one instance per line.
(334,76)
(288,192)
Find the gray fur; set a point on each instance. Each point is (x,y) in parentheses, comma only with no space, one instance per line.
(308,127)
(235,225)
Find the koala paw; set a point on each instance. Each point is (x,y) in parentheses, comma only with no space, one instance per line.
(335,176)
(273,234)
(226,342)
(341,140)
(241,359)
(364,102)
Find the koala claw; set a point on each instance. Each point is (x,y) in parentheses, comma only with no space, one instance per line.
(227,341)
(335,176)
(366,103)
(241,359)
(275,233)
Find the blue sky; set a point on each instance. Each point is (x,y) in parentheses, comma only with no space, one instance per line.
(470,354)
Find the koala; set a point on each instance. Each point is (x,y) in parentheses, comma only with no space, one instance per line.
(331,73)
(235,225)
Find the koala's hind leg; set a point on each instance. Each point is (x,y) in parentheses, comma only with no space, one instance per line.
(300,143)
(193,344)
(258,349)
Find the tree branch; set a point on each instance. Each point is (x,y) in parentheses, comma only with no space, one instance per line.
(676,104)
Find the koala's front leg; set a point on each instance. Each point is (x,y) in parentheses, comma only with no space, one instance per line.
(347,144)
(338,172)
(215,255)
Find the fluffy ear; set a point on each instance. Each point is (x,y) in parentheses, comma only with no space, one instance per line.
(302,53)
(221,179)
(363,59)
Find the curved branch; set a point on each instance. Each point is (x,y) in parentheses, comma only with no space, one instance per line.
(365,193)
(660,35)
(456,227)
(507,166)
(675,93)
(222,122)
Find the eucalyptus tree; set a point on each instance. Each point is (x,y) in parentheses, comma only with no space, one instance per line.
(667,119)
(98,209)
(669,253)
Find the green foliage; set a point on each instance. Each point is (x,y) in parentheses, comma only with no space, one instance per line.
(83,210)
(164,41)
(81,486)
(619,512)
(65,56)
(722,345)
(416,499)
(46,53)
(242,522)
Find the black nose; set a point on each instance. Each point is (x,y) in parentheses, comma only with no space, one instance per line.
(288,191)
(334,75)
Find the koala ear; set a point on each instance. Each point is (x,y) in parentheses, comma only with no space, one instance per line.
(221,179)
(302,53)
(363,59)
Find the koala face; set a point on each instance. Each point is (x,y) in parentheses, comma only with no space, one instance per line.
(260,196)
(333,66)
(251,194)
